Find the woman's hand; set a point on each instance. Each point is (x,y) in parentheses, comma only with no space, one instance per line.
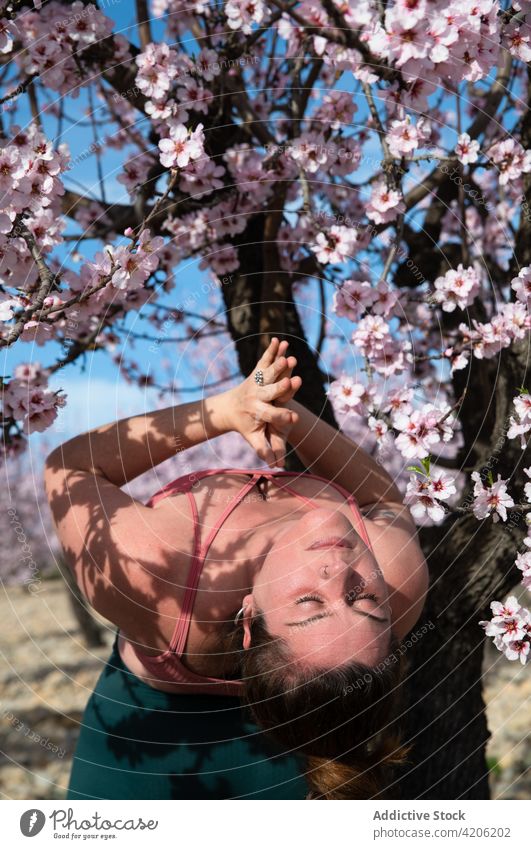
(256,411)
(276,436)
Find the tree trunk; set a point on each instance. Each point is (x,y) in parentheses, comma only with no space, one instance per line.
(470,562)
(242,297)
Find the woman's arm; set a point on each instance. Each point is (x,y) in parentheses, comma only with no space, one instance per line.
(124,449)
(330,453)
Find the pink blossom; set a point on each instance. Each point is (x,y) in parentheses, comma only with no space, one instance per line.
(6,221)
(387,354)
(352,298)
(422,429)
(336,245)
(7,305)
(441,485)
(182,146)
(311,151)
(402,138)
(336,110)
(136,171)
(522,285)
(201,177)
(380,429)
(515,319)
(517,650)
(33,192)
(403,38)
(510,628)
(194,96)
(385,204)
(509,609)
(440,35)
(31,373)
(517,40)
(132,268)
(398,401)
(157,67)
(491,500)
(207,64)
(242,13)
(347,395)
(221,259)
(457,360)
(6,42)
(511,160)
(520,424)
(523,562)
(371,334)
(456,288)
(384,299)
(527,487)
(11,168)
(34,405)
(347,157)
(101,267)
(37,332)
(466,149)
(421,501)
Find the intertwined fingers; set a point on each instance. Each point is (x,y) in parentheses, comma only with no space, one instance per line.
(277,416)
(273,390)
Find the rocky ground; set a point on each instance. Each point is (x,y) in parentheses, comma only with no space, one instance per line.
(47,674)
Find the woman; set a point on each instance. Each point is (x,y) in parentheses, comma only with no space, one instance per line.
(291,603)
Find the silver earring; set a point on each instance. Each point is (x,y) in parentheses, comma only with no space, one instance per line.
(238,615)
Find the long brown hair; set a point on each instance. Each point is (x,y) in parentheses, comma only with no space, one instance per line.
(343,720)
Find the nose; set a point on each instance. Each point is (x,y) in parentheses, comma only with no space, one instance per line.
(332,567)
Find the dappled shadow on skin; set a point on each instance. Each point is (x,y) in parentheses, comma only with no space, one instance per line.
(132,561)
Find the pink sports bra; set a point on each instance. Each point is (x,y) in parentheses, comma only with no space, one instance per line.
(168,666)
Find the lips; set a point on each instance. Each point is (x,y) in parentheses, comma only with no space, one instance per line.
(330,542)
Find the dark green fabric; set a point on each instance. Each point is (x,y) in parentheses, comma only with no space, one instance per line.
(140,743)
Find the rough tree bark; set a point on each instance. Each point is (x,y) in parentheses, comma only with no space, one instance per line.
(470,562)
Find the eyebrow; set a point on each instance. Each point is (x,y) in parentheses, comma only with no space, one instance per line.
(325,615)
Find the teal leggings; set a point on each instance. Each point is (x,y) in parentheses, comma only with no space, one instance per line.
(140,743)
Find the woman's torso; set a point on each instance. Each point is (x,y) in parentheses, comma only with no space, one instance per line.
(223,579)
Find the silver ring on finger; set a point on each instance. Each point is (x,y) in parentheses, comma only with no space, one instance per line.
(259,377)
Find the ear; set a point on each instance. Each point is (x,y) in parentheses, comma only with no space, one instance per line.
(249,612)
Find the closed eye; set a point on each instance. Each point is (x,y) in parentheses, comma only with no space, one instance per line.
(304,622)
(309,598)
(303,600)
(314,598)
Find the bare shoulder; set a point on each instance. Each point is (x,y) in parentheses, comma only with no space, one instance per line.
(394,538)
(121,551)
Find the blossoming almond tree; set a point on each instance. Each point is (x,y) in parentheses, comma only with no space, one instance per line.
(369,160)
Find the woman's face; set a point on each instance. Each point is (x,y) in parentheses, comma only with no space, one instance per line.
(329,602)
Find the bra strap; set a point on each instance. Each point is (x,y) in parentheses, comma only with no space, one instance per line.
(180,635)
